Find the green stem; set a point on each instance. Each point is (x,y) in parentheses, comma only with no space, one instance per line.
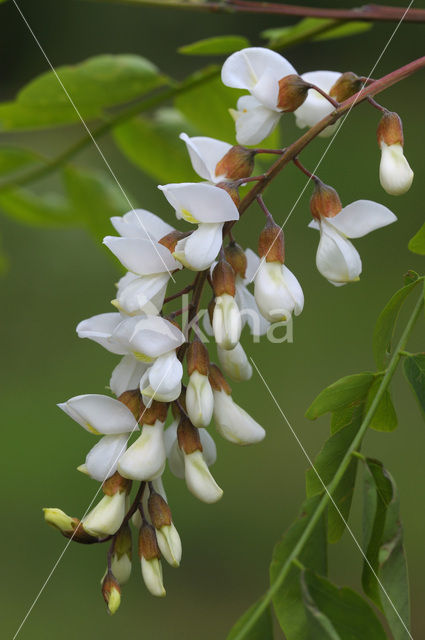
(330,489)
(189,83)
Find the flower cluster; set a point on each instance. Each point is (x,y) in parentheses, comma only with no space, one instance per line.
(166,390)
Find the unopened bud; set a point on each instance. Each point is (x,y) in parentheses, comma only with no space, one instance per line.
(395,174)
(197,358)
(223,278)
(199,480)
(346,86)
(232,190)
(236,257)
(111,593)
(172,238)
(217,380)
(133,401)
(292,92)
(121,557)
(69,527)
(150,554)
(227,322)
(237,163)
(271,244)
(324,202)
(235,363)
(148,545)
(159,511)
(390,129)
(199,399)
(188,436)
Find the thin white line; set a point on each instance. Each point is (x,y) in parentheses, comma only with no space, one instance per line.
(102,155)
(331,498)
(340,127)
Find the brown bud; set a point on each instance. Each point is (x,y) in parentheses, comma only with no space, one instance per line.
(346,86)
(115,484)
(325,202)
(271,243)
(133,401)
(172,238)
(390,129)
(111,592)
(188,436)
(217,380)
(148,545)
(156,411)
(232,190)
(159,511)
(197,358)
(292,92)
(236,257)
(237,163)
(223,279)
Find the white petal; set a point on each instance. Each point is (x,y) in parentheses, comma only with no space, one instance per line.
(199,399)
(316,107)
(361,217)
(336,258)
(126,375)
(252,264)
(395,174)
(100,329)
(140,223)
(106,517)
(100,414)
(152,576)
(199,480)
(102,459)
(200,202)
(164,378)
(176,460)
(141,256)
(294,288)
(235,363)
(169,544)
(199,250)
(209,450)
(253,124)
(273,294)
(314,224)
(121,567)
(205,153)
(233,423)
(243,69)
(250,313)
(227,324)
(148,337)
(145,459)
(144,294)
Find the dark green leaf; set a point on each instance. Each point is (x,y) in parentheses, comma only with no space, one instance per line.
(49,209)
(336,613)
(345,392)
(262,629)
(414,369)
(154,146)
(312,29)
(287,601)
(94,85)
(417,243)
(385,417)
(385,325)
(383,542)
(410,276)
(217,45)
(14,158)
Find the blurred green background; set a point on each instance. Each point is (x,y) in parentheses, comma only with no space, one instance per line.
(56,278)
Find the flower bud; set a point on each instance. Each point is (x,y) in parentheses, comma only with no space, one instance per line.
(145,459)
(346,86)
(227,323)
(324,202)
(237,163)
(232,189)
(277,292)
(69,527)
(150,560)
(199,480)
(107,516)
(395,174)
(121,557)
(111,593)
(166,533)
(223,279)
(234,362)
(233,423)
(188,436)
(199,399)
(292,92)
(236,257)
(271,243)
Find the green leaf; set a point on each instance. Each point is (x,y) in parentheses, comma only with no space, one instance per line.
(385,417)
(336,613)
(49,209)
(218,45)
(153,145)
(94,85)
(287,601)
(414,369)
(14,158)
(262,629)
(410,276)
(385,325)
(312,29)
(417,243)
(345,392)
(383,542)
(94,198)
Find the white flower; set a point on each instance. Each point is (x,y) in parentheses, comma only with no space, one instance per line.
(170,544)
(235,363)
(207,206)
(395,174)
(233,423)
(199,399)
(152,576)
(227,325)
(277,291)
(248,307)
(175,455)
(257,70)
(140,223)
(337,259)
(145,459)
(198,478)
(162,381)
(100,414)
(316,107)
(205,154)
(141,294)
(107,516)
(127,375)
